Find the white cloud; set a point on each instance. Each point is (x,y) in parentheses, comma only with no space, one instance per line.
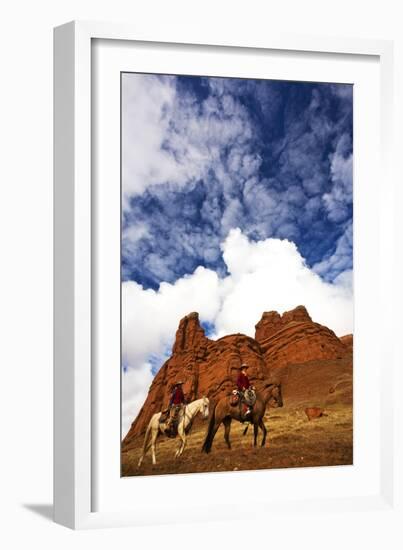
(272,275)
(265,275)
(147,103)
(135,385)
(168,137)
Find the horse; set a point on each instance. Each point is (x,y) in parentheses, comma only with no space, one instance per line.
(224,412)
(186,417)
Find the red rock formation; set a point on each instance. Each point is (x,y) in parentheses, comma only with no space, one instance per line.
(271,321)
(299,342)
(348,342)
(209,367)
(297,315)
(190,335)
(295,338)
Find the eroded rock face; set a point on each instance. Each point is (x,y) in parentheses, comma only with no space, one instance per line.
(348,342)
(189,335)
(271,321)
(298,342)
(210,368)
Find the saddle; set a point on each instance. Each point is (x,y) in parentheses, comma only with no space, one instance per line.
(170,417)
(234,398)
(244,400)
(248,397)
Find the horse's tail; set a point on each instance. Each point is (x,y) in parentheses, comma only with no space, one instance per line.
(208,442)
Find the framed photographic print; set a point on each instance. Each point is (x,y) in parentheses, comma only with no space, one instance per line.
(238,205)
(220,232)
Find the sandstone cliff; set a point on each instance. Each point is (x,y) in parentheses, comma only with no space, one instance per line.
(348,342)
(295,338)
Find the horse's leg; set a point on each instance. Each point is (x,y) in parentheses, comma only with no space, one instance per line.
(182,442)
(216,426)
(227,426)
(217,416)
(255,432)
(182,445)
(154,436)
(210,438)
(264,430)
(145,451)
(146,446)
(141,457)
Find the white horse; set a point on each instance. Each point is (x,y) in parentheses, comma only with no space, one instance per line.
(186,417)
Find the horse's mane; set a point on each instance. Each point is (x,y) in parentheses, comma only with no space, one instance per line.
(200,399)
(268,385)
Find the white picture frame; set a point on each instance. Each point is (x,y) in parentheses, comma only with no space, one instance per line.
(75,388)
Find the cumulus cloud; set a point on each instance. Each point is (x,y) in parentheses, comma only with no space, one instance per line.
(135,384)
(272,274)
(264,275)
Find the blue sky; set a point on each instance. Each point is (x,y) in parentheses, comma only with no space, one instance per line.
(273,158)
(236,199)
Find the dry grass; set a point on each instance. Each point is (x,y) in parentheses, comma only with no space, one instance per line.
(293,441)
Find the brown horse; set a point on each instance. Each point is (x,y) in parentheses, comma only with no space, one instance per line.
(224,413)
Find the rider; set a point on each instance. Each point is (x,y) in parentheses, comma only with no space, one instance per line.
(243,384)
(177,397)
(175,403)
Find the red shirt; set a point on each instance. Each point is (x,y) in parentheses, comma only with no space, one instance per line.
(242,382)
(178,396)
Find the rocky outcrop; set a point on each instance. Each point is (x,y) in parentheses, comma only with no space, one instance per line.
(348,342)
(314,412)
(210,367)
(190,335)
(299,342)
(294,338)
(271,321)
